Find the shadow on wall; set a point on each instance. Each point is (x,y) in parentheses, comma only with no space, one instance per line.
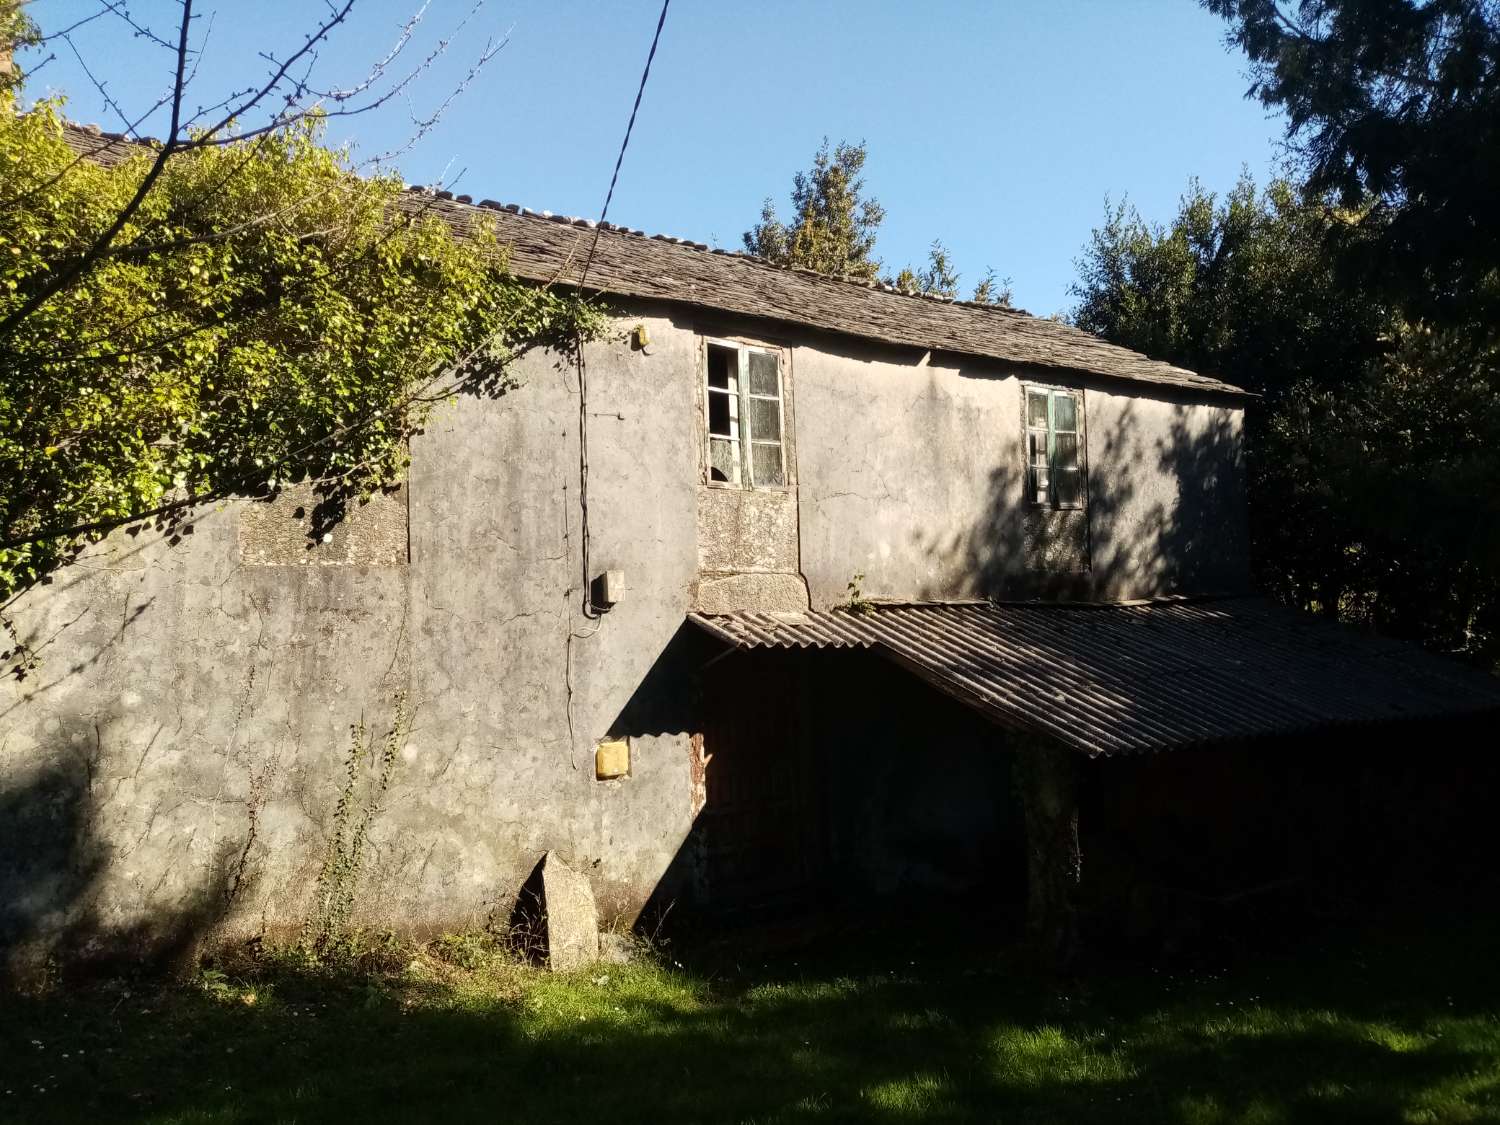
(1165,514)
(53,859)
(668,701)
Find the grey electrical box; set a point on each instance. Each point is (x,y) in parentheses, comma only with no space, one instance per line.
(609,588)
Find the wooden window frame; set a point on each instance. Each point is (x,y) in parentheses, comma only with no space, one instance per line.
(1046,499)
(742,429)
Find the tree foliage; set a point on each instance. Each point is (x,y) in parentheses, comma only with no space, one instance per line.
(17,32)
(833,224)
(937,279)
(1395,106)
(834,232)
(1373,454)
(265,316)
(992,289)
(1241,287)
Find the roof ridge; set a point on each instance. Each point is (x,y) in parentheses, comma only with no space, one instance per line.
(1027,339)
(677,240)
(94,130)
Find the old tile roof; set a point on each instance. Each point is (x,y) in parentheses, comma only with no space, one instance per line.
(629,263)
(1132,678)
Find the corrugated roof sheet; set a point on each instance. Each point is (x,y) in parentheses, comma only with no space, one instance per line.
(1136,678)
(630,263)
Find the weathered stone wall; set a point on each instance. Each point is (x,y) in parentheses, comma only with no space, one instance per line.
(174,764)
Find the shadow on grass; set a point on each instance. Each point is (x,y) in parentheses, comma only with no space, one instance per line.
(1354,1030)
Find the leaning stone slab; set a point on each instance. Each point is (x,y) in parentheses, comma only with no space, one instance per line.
(572,923)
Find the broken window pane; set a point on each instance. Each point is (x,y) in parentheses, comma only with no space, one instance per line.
(1036,410)
(1038,475)
(765,419)
(724,460)
(763,379)
(723,364)
(721,414)
(768,468)
(1036,446)
(1064,413)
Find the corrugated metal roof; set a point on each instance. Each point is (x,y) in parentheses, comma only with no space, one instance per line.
(1141,677)
(629,263)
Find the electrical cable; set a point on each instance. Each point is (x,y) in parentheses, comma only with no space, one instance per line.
(583,385)
(583,391)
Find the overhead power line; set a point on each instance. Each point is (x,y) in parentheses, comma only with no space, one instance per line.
(624,144)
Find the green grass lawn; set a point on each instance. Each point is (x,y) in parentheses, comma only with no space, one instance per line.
(1387,1028)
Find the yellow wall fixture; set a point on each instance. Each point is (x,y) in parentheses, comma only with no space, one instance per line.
(612,759)
(639,337)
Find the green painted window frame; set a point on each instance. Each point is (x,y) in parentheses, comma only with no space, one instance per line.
(1047,459)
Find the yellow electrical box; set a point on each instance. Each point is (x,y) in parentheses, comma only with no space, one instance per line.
(612,759)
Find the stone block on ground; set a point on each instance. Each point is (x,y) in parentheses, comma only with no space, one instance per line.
(572,921)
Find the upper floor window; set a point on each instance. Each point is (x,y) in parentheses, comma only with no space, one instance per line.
(1054,473)
(744,416)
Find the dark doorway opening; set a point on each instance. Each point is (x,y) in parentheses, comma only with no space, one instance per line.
(836,782)
(759,824)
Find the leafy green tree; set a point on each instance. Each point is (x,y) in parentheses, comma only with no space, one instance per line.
(1372,452)
(1394,105)
(833,225)
(1241,287)
(17,31)
(231,308)
(263,316)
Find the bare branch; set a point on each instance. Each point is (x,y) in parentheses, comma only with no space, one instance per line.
(256,96)
(118,8)
(292,88)
(63,34)
(491,49)
(202,46)
(100,86)
(378,70)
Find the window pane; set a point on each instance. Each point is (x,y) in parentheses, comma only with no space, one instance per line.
(1037,475)
(768,464)
(721,414)
(1069,488)
(763,379)
(722,366)
(1064,413)
(1036,410)
(1066,447)
(1036,445)
(765,419)
(724,460)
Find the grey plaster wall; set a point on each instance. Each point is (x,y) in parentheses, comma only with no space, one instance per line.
(174,764)
(911,472)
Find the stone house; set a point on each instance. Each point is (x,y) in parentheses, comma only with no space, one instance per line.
(761,600)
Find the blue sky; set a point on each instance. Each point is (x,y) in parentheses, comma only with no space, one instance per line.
(996,127)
